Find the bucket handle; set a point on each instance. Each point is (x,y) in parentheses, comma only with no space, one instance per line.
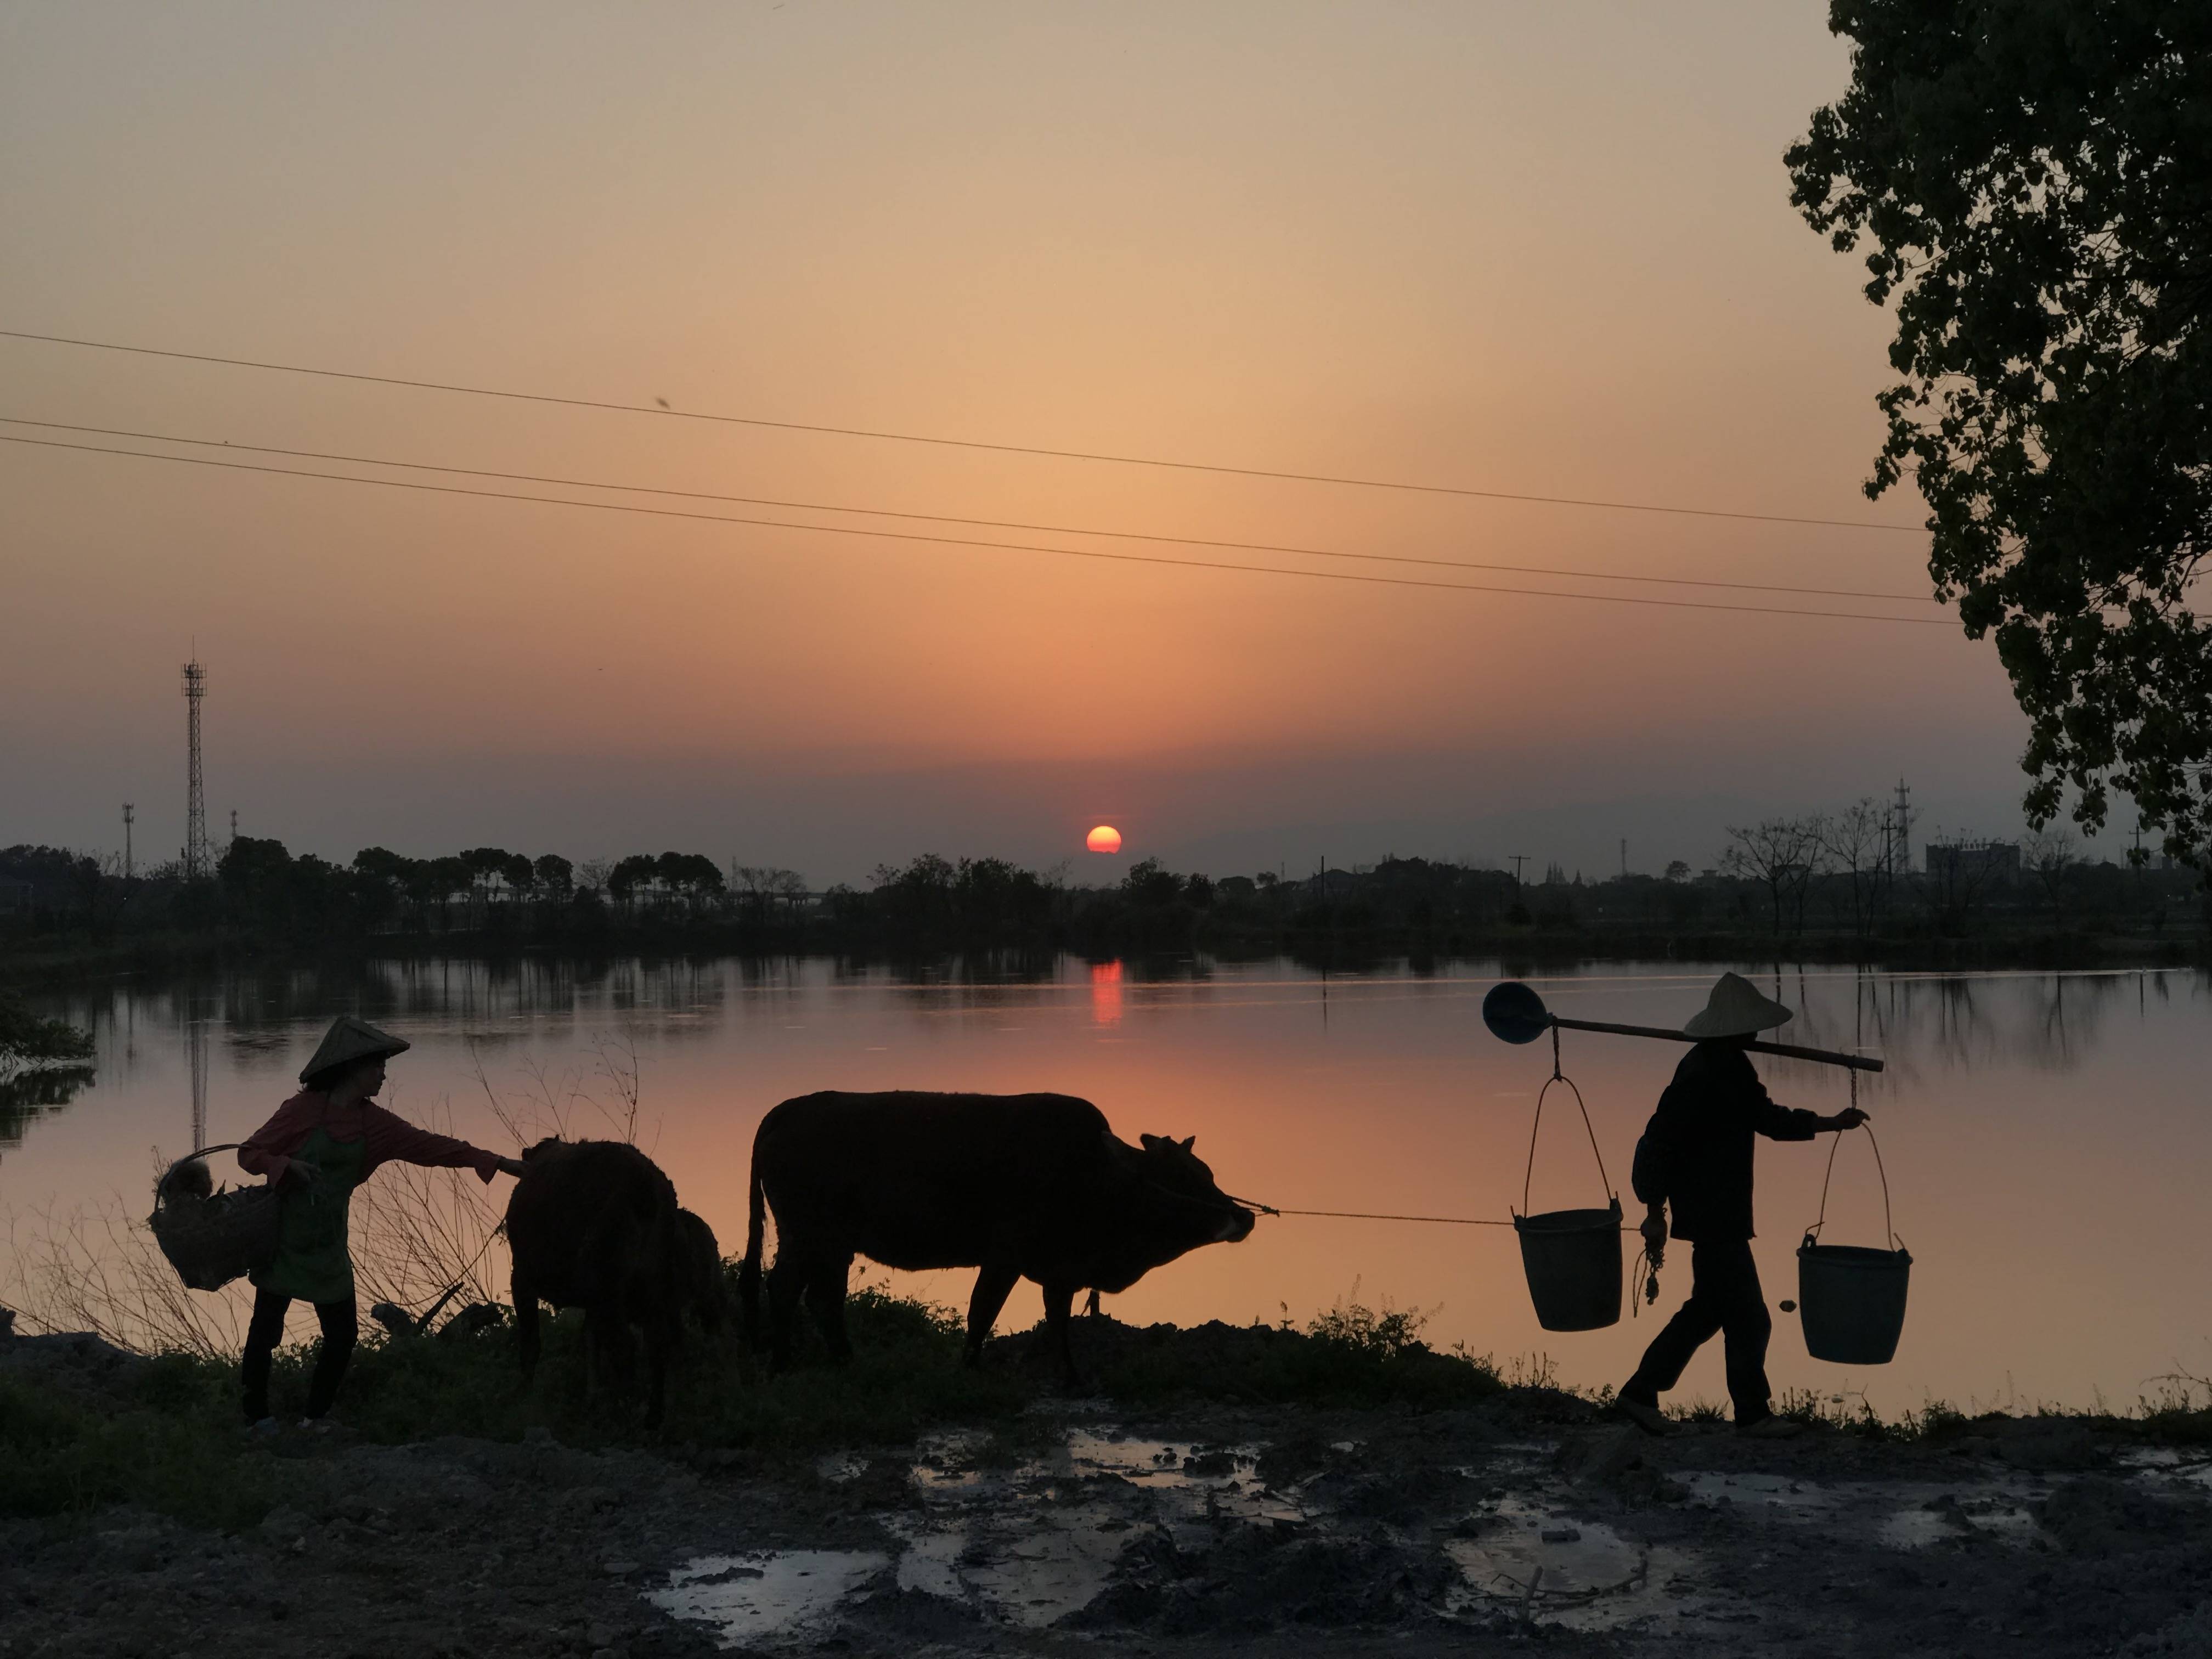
(1558,1076)
(1812,1233)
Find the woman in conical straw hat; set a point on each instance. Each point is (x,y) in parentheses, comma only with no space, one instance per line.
(1696,1156)
(323,1142)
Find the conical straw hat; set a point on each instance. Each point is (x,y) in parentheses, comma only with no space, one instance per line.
(1735,1009)
(349,1039)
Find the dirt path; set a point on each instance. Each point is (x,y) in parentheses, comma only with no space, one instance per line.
(1514,1519)
(1528,1522)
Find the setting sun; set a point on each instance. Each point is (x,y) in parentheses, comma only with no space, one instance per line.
(1104,839)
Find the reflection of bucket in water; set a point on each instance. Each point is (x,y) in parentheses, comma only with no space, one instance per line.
(1572,1258)
(1852,1301)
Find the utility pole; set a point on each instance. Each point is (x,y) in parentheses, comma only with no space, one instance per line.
(197,864)
(1519,859)
(129,813)
(1624,857)
(234,824)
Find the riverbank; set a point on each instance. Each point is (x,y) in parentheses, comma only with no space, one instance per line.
(1339,1492)
(65,964)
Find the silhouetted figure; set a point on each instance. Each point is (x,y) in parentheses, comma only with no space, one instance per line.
(1697,1156)
(322,1144)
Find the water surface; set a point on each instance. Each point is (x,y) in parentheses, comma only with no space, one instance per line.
(2045,1136)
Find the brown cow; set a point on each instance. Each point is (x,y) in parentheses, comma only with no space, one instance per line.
(1020,1186)
(593,1224)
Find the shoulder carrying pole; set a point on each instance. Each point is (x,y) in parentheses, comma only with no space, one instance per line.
(1826,1057)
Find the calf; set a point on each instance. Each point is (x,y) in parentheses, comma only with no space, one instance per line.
(706,1291)
(592,1224)
(1019,1186)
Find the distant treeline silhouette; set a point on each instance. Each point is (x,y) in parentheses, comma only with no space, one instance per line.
(1820,885)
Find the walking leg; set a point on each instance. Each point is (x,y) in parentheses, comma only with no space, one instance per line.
(1693,1325)
(341,1323)
(262,1333)
(1746,1327)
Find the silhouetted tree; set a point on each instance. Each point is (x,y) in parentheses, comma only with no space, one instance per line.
(1777,853)
(1857,841)
(2035,179)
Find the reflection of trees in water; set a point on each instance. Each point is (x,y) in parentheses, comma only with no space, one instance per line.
(1925,1025)
(2052,1022)
(31,1094)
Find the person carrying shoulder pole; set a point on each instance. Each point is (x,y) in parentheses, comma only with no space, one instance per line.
(1696,1156)
(323,1142)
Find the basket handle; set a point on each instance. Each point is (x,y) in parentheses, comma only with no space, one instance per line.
(1813,1232)
(227,1147)
(1558,1076)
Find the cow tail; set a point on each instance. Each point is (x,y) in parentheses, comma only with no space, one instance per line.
(748,1271)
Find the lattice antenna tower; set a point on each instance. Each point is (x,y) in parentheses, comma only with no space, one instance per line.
(198,863)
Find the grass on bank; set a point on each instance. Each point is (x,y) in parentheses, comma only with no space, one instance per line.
(167,1433)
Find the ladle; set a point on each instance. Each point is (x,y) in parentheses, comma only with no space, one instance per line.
(1514,1013)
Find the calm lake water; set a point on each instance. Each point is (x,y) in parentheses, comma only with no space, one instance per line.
(2046,1136)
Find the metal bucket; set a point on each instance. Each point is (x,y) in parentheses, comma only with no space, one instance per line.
(1851,1298)
(1572,1258)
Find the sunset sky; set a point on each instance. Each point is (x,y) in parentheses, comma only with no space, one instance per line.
(1538,250)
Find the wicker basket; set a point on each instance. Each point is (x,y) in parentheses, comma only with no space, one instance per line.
(212,1240)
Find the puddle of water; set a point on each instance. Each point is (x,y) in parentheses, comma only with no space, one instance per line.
(1766,1491)
(771,1594)
(1027,1575)
(2169,1462)
(1948,1518)
(1580,1575)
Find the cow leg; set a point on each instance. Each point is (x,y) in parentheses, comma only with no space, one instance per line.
(660,1334)
(785,1281)
(525,1328)
(620,1350)
(1059,1303)
(993,1287)
(825,1301)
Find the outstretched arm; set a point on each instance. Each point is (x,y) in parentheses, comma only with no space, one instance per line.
(392,1139)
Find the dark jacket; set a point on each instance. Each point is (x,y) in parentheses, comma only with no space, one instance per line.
(1702,1132)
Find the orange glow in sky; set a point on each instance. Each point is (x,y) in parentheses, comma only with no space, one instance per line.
(1546,251)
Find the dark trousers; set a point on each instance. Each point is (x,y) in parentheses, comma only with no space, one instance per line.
(340,1322)
(1724,1297)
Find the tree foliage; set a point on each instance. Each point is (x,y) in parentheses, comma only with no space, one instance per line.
(2034,180)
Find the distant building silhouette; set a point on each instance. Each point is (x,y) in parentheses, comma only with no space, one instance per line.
(1977,861)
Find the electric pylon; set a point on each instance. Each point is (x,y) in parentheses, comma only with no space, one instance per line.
(197,864)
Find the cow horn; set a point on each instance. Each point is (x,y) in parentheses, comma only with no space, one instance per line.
(1190,1141)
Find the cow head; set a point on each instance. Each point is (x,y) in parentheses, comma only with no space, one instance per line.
(1176,1174)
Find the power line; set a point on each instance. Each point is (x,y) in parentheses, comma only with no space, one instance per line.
(987,524)
(960,443)
(957,541)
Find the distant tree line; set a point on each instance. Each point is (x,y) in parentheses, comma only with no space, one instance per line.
(1832,883)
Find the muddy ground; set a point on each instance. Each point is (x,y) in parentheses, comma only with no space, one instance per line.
(1526,1522)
